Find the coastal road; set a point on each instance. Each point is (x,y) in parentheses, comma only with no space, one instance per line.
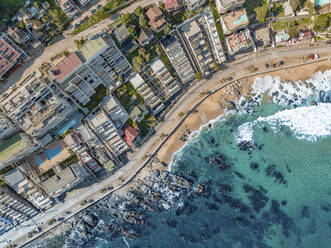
(72,203)
(65,43)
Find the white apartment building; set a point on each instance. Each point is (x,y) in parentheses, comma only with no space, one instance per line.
(115,110)
(170,84)
(35,107)
(224,6)
(213,36)
(151,99)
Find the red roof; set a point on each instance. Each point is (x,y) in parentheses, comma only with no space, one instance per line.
(66,66)
(171,4)
(130,134)
(8,56)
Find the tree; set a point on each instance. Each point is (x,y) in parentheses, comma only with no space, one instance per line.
(142,52)
(321,23)
(198,76)
(167,29)
(262,12)
(133,32)
(45,19)
(293,32)
(138,11)
(36,4)
(295,4)
(126,19)
(161,6)
(59,18)
(142,21)
(21,25)
(120,78)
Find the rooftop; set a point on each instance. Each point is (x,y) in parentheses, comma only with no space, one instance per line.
(90,48)
(171,4)
(121,33)
(144,34)
(153,13)
(137,80)
(129,134)
(234,20)
(66,66)
(191,28)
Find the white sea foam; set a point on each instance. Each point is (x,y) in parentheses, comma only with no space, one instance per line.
(310,123)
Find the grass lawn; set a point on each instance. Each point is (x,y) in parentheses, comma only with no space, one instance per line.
(11,147)
(217,20)
(147,124)
(278,10)
(100,92)
(300,24)
(124,95)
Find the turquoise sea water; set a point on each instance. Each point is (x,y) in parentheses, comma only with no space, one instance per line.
(274,191)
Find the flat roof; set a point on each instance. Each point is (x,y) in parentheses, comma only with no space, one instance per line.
(235,19)
(157,64)
(11,147)
(90,48)
(60,182)
(191,28)
(137,80)
(66,66)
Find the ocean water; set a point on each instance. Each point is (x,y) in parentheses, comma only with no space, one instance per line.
(267,168)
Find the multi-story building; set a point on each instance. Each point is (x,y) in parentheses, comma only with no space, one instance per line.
(18,181)
(14,209)
(199,47)
(156,19)
(178,58)
(18,35)
(68,6)
(10,55)
(152,100)
(239,41)
(213,36)
(234,21)
(36,107)
(107,131)
(115,111)
(224,6)
(169,84)
(97,62)
(7,127)
(15,149)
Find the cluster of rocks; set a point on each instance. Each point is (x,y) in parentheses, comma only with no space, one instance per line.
(218,160)
(126,215)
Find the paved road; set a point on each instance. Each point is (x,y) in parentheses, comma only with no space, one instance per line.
(66,42)
(73,203)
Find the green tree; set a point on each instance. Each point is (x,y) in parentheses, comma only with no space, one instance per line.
(142,21)
(198,76)
(167,29)
(142,52)
(126,19)
(36,4)
(21,25)
(161,5)
(293,32)
(262,12)
(138,11)
(59,18)
(321,23)
(133,32)
(295,4)
(45,19)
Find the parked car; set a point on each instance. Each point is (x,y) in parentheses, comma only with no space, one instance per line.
(80,22)
(85,18)
(99,6)
(93,11)
(266,65)
(281,62)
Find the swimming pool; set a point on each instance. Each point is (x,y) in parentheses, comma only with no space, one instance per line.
(39,161)
(66,127)
(241,20)
(321,2)
(52,153)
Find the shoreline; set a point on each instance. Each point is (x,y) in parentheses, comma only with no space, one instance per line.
(211,109)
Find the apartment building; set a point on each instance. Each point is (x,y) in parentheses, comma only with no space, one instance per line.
(234,21)
(18,35)
(199,47)
(239,41)
(214,38)
(35,107)
(178,58)
(18,181)
(105,128)
(16,148)
(169,84)
(14,209)
(68,6)
(115,111)
(10,55)
(224,6)
(7,127)
(152,101)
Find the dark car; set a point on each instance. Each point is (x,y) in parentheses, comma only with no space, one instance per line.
(68,212)
(93,11)
(99,6)
(91,200)
(281,62)
(60,219)
(266,65)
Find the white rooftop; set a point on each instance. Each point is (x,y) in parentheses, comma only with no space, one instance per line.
(137,80)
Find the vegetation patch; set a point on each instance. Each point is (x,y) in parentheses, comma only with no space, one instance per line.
(100,92)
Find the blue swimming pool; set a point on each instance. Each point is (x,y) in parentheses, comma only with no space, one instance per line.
(39,161)
(52,153)
(241,20)
(66,127)
(321,2)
